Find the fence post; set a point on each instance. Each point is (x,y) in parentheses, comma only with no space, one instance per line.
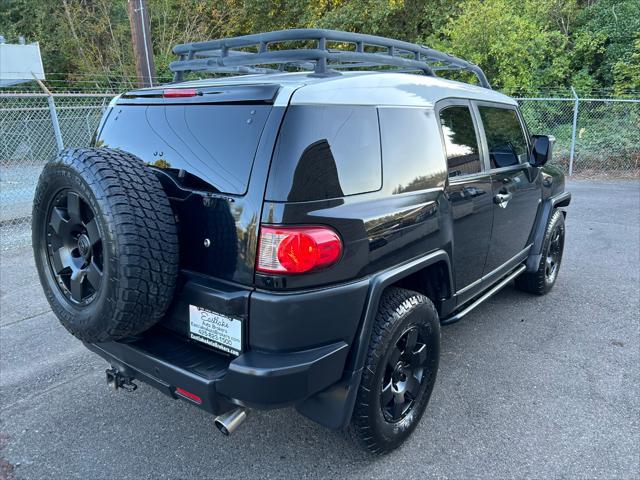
(54,114)
(573,130)
(54,122)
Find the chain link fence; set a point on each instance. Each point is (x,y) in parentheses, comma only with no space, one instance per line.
(605,135)
(594,137)
(27,141)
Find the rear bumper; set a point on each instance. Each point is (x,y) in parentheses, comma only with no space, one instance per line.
(254,379)
(295,345)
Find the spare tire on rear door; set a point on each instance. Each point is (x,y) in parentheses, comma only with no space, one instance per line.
(105,243)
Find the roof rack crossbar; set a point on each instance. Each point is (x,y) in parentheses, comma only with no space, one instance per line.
(223,55)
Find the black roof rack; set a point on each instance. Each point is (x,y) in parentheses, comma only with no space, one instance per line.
(235,55)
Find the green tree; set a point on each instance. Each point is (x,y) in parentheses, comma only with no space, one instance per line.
(626,75)
(512,41)
(37,21)
(609,26)
(182,21)
(524,45)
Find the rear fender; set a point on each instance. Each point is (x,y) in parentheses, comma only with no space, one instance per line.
(333,406)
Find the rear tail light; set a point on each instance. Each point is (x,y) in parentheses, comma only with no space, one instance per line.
(179,92)
(297,249)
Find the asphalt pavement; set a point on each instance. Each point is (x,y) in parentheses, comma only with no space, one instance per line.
(536,387)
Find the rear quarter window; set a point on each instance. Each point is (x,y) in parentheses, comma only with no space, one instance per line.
(411,150)
(461,141)
(325,152)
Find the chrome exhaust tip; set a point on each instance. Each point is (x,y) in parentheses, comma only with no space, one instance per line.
(228,422)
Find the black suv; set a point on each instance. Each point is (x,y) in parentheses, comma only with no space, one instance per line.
(296,235)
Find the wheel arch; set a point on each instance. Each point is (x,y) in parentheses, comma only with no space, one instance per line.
(334,406)
(545,211)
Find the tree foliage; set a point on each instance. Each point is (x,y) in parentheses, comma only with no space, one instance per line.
(525,46)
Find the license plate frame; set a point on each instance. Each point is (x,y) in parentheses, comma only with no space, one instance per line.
(217,330)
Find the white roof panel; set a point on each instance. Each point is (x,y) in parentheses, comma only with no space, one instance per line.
(364,88)
(391,89)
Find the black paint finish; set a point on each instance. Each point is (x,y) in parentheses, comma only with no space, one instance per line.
(512,222)
(380,178)
(470,201)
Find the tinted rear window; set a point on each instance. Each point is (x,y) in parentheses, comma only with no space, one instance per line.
(326,152)
(460,141)
(411,149)
(216,143)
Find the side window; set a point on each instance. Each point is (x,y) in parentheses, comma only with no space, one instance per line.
(461,142)
(325,152)
(505,138)
(411,149)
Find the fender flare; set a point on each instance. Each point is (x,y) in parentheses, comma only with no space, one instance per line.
(537,235)
(333,406)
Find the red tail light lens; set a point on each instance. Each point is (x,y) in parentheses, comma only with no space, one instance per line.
(297,249)
(179,92)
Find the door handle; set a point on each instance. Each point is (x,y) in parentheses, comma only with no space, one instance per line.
(502,199)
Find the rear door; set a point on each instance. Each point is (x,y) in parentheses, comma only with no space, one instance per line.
(468,190)
(211,147)
(515,184)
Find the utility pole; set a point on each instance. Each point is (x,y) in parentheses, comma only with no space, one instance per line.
(141,39)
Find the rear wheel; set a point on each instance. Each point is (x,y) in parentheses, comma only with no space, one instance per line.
(544,278)
(400,370)
(105,243)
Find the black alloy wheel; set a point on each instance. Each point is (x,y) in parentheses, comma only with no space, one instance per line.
(554,254)
(399,372)
(404,373)
(74,246)
(544,277)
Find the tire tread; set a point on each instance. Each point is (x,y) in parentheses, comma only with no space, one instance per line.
(394,304)
(145,239)
(535,282)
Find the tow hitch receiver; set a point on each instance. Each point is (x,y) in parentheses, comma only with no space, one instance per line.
(117,380)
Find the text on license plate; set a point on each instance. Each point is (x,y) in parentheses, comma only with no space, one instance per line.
(215,329)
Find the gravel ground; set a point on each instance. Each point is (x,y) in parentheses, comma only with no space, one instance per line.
(528,387)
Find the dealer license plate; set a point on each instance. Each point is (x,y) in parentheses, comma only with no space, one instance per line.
(215,329)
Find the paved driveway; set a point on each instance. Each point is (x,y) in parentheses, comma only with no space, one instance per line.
(528,386)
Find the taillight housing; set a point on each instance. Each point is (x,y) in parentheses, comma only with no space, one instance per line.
(296,250)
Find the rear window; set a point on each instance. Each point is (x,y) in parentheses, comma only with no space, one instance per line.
(460,141)
(326,152)
(216,143)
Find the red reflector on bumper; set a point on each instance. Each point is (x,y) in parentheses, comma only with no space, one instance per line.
(188,395)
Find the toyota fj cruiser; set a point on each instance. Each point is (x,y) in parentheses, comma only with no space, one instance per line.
(296,235)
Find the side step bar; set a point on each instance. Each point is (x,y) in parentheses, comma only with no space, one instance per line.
(488,294)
